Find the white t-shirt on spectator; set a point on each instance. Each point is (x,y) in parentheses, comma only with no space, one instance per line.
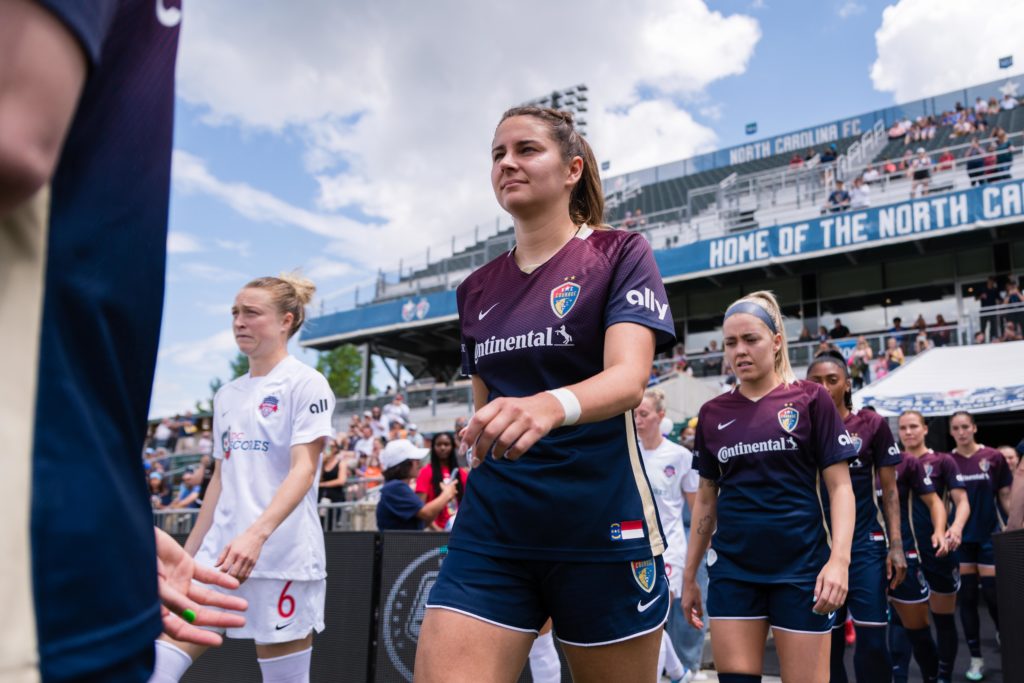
(257,421)
(162,432)
(670,470)
(860,197)
(395,412)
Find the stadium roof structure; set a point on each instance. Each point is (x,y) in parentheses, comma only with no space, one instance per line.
(941,381)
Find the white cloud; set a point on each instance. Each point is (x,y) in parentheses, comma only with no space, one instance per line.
(208,356)
(242,248)
(926,47)
(320,268)
(849,9)
(211,273)
(396,103)
(182,243)
(711,111)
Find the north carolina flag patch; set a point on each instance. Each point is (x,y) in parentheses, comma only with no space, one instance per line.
(877,536)
(627,531)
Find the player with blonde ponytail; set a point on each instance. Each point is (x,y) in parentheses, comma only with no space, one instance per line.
(259,519)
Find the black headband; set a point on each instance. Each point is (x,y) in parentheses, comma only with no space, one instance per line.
(753,309)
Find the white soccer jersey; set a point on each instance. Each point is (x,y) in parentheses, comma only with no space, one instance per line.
(670,471)
(257,420)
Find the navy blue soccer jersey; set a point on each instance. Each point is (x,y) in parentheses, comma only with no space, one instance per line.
(766,457)
(580,493)
(911,483)
(92,528)
(941,470)
(983,474)
(876,448)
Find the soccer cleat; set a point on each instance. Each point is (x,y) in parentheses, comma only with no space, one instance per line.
(976,672)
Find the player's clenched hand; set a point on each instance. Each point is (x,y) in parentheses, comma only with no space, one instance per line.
(178,592)
(940,544)
(692,609)
(511,425)
(895,566)
(830,587)
(239,556)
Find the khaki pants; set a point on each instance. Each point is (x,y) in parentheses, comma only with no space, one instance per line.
(22,268)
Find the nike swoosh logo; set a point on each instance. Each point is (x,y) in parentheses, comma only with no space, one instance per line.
(642,607)
(482,314)
(723,426)
(278,628)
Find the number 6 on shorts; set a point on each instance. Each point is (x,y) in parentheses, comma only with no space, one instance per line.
(286,603)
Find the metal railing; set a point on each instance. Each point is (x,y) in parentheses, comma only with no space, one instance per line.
(355,516)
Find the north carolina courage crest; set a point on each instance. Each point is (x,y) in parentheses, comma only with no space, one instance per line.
(268,406)
(789,417)
(643,572)
(564,297)
(984,465)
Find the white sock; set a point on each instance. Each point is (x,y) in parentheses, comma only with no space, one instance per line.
(171,663)
(545,666)
(293,668)
(673,667)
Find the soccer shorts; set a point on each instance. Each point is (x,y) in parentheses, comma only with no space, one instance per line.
(941,573)
(915,587)
(977,553)
(866,602)
(279,611)
(596,603)
(786,606)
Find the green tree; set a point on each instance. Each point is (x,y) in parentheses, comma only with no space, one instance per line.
(341,366)
(207,407)
(240,365)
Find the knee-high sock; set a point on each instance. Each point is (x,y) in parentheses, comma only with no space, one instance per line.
(668,659)
(293,668)
(836,667)
(545,666)
(924,652)
(871,660)
(988,592)
(948,642)
(899,647)
(968,599)
(739,678)
(171,663)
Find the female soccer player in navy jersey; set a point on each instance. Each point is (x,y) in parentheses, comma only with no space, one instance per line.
(762,451)
(259,520)
(910,598)
(558,519)
(872,565)
(986,476)
(941,573)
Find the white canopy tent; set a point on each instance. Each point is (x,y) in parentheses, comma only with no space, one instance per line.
(684,395)
(941,381)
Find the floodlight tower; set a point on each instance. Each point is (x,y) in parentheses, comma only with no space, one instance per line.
(572,99)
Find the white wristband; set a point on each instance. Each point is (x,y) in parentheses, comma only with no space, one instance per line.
(570,404)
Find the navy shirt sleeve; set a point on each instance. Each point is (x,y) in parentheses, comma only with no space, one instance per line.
(830,440)
(707,465)
(400,501)
(88,20)
(467,347)
(951,473)
(883,445)
(637,293)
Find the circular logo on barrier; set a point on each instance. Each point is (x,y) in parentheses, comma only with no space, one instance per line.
(405,607)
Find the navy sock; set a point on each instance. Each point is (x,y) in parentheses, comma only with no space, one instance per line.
(739,678)
(924,652)
(871,660)
(836,667)
(899,646)
(968,599)
(988,592)
(948,642)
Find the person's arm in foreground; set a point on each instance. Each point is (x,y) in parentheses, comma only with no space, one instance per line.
(703,520)
(833,580)
(896,560)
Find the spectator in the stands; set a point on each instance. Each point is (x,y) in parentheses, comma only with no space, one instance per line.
(434,475)
(893,354)
(397,410)
(805,334)
(396,431)
(333,475)
(829,155)
(922,342)
(979,337)
(712,363)
(1014,298)
(796,161)
(638,216)
(860,363)
(839,330)
(159,491)
(860,194)
(946,161)
(373,465)
(989,295)
(162,435)
(941,334)
(1008,102)
(1011,332)
(204,445)
(189,490)
(899,129)
(921,173)
(379,421)
(1004,157)
(628,222)
(871,175)
(399,506)
(993,105)
(364,446)
(975,157)
(897,331)
(822,333)
(811,155)
(980,106)
(839,199)
(889,168)
(414,436)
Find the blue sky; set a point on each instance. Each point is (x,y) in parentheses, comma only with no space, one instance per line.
(341,137)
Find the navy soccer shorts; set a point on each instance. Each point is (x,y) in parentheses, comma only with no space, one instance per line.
(941,573)
(915,587)
(595,603)
(866,601)
(977,553)
(786,606)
